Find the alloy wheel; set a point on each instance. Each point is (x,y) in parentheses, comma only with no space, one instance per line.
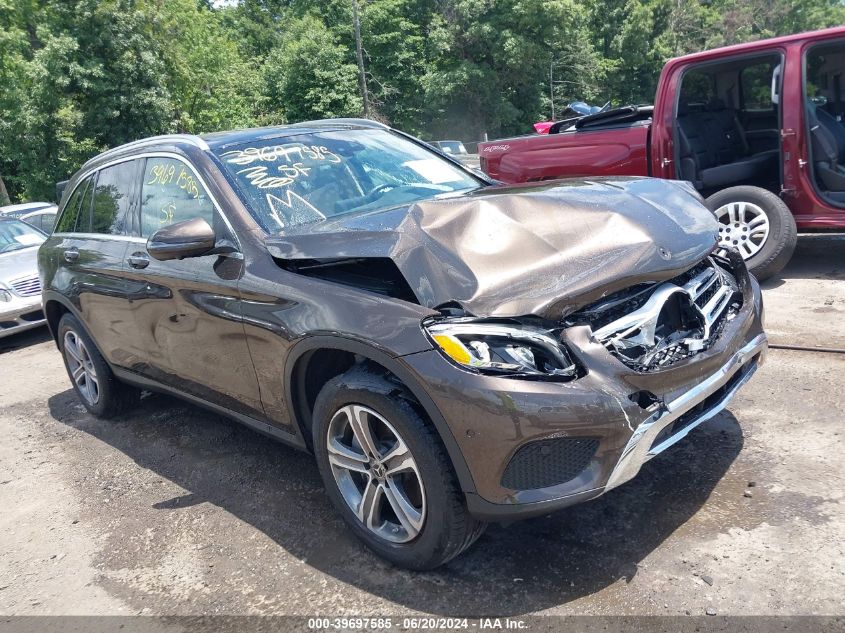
(81,367)
(376,473)
(744,227)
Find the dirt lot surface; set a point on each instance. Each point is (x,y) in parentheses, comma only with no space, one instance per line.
(172,510)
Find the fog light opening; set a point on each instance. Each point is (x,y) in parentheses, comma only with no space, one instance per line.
(644,399)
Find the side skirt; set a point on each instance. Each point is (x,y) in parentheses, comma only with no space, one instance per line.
(261,426)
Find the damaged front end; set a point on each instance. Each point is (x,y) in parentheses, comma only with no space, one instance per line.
(648,327)
(567,332)
(631,374)
(653,326)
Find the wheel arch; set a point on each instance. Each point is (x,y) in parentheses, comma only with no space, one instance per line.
(55,307)
(316,359)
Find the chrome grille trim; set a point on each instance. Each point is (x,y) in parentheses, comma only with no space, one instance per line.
(26,286)
(709,293)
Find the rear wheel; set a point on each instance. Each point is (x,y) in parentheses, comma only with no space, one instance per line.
(93,380)
(756,223)
(386,472)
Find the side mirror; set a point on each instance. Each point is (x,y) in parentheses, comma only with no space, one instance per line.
(191,238)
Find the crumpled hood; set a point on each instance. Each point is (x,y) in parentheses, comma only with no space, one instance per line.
(541,250)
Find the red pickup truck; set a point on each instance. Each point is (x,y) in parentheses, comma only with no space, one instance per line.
(757,128)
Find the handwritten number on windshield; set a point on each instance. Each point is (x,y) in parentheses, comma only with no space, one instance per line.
(287,154)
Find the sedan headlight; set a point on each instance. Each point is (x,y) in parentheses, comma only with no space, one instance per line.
(5,294)
(506,349)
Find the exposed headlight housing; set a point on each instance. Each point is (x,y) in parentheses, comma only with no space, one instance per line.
(504,349)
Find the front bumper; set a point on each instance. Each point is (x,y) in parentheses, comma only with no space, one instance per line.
(491,418)
(19,314)
(699,404)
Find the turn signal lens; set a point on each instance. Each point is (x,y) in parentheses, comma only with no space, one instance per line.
(453,348)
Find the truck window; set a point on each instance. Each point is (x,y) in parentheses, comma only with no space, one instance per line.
(756,86)
(698,89)
(824,86)
(727,126)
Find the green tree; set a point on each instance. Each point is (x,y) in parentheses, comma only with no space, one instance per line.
(13,46)
(309,75)
(212,87)
(394,36)
(490,62)
(255,26)
(79,76)
(88,78)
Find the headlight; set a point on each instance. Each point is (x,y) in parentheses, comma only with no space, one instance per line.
(502,349)
(5,295)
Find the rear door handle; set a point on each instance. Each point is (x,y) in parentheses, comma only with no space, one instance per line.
(138,260)
(71,255)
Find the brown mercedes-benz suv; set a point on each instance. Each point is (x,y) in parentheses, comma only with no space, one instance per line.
(452,351)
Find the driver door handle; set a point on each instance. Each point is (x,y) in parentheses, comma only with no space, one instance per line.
(71,255)
(138,260)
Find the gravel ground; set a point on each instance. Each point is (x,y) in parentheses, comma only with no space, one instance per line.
(172,510)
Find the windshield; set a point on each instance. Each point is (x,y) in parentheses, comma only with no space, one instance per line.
(310,177)
(19,210)
(15,235)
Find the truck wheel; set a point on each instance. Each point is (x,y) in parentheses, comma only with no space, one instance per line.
(756,223)
(386,472)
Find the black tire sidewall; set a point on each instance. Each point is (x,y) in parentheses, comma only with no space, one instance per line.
(105,379)
(428,549)
(780,245)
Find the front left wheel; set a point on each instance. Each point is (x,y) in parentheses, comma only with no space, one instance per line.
(386,472)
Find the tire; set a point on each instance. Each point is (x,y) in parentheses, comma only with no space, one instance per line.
(776,248)
(445,528)
(96,385)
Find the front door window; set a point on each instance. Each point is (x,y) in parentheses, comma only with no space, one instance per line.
(170,193)
(824,103)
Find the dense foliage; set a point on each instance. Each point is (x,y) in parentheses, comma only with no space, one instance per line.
(79,76)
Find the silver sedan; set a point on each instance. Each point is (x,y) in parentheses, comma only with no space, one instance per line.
(20,288)
(41,215)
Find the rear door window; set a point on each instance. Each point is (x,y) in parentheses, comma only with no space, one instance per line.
(756,85)
(170,193)
(698,89)
(83,224)
(69,222)
(113,199)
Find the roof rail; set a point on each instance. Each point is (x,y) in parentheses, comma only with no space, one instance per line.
(359,122)
(196,141)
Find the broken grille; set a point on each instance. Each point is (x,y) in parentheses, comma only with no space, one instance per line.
(672,321)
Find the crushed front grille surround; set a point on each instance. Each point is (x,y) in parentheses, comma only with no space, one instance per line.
(671,321)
